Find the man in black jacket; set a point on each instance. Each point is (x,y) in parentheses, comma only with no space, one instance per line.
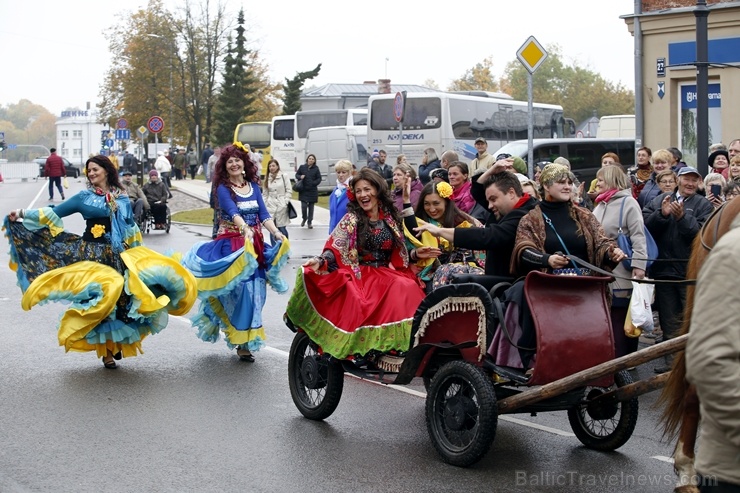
(674,219)
(498,190)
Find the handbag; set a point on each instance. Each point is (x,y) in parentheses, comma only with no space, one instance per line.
(298,186)
(292,214)
(625,243)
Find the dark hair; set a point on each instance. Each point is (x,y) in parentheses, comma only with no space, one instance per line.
(646,149)
(505,181)
(107,165)
(315,161)
(452,216)
(385,203)
(463,167)
(267,175)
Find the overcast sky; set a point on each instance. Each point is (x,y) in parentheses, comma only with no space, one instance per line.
(54,52)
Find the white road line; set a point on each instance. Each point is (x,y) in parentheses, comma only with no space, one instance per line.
(663,458)
(38,195)
(548,429)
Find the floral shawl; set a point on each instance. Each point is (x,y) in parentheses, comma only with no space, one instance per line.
(344,244)
(531,234)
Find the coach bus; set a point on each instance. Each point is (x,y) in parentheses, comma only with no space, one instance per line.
(257,135)
(282,143)
(452,121)
(306,120)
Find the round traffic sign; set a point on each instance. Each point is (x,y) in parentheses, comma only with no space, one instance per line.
(122,123)
(155,124)
(398,107)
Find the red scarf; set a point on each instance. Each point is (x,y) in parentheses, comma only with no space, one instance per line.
(523,200)
(605,196)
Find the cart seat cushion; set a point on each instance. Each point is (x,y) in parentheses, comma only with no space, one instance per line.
(454,313)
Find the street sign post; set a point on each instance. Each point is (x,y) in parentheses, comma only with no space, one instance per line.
(155,124)
(121,123)
(531,54)
(143,132)
(399,105)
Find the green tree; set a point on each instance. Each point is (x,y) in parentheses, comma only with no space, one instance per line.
(292,90)
(580,91)
(478,78)
(238,89)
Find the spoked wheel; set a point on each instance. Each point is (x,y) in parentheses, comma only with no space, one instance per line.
(461,413)
(315,381)
(604,424)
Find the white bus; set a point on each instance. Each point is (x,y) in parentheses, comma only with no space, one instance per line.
(306,120)
(452,121)
(282,144)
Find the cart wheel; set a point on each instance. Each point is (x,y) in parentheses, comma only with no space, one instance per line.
(461,413)
(315,381)
(606,424)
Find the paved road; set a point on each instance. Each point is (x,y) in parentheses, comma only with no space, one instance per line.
(188,416)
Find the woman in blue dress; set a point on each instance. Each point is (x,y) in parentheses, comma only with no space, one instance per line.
(232,271)
(120,291)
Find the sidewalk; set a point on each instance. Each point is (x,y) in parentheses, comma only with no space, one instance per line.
(201,190)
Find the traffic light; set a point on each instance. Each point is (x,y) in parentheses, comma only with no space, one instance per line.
(2,145)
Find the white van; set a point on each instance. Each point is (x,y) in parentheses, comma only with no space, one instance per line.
(616,126)
(282,143)
(330,144)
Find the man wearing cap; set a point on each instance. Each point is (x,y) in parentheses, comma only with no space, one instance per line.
(674,219)
(482,160)
(136,195)
(156,194)
(54,171)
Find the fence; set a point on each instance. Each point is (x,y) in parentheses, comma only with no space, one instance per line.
(22,171)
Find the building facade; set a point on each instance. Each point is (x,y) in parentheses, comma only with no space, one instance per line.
(79,135)
(666,74)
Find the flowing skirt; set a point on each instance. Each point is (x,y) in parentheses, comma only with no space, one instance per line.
(350,316)
(115,300)
(232,285)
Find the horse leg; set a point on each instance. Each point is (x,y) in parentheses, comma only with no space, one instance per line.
(683,458)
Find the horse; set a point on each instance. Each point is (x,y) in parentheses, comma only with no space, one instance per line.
(680,416)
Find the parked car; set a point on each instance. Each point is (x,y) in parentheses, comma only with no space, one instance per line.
(73,170)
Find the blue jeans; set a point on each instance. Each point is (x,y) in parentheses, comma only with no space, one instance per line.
(55,180)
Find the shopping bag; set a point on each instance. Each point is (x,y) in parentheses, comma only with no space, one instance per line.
(640,314)
(65,183)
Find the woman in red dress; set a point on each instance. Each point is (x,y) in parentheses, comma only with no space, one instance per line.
(359,294)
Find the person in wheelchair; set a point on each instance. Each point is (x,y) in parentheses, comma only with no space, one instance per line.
(139,203)
(156,194)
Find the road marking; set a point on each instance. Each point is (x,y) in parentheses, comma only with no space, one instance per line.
(548,429)
(663,458)
(38,196)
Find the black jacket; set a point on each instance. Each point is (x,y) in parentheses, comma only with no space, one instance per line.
(311,182)
(674,238)
(497,238)
(386,172)
(425,169)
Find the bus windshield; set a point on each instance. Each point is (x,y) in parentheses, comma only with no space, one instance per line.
(257,135)
(282,129)
(307,121)
(419,114)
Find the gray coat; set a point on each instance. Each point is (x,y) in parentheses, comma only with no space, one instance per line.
(633,226)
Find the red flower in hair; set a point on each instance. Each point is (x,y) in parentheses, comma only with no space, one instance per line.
(350,194)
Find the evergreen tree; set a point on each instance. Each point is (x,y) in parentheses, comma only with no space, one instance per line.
(292,90)
(238,89)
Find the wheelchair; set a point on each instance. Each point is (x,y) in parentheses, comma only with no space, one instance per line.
(147,222)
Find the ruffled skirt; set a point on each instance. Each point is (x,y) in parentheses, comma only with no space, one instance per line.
(232,286)
(115,300)
(349,316)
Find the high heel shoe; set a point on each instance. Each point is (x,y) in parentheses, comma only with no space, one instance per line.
(118,355)
(245,355)
(111,365)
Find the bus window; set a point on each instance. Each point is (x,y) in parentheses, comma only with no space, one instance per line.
(257,135)
(282,130)
(359,119)
(307,121)
(419,114)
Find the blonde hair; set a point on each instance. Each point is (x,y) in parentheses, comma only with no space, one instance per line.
(343,165)
(400,158)
(406,168)
(734,160)
(614,177)
(663,155)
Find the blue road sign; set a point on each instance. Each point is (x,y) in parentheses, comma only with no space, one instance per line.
(109,143)
(12,146)
(123,134)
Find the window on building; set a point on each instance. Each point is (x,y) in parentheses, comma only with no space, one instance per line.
(76,134)
(76,152)
(65,152)
(65,134)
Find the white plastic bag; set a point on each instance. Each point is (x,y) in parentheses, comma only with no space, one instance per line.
(640,312)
